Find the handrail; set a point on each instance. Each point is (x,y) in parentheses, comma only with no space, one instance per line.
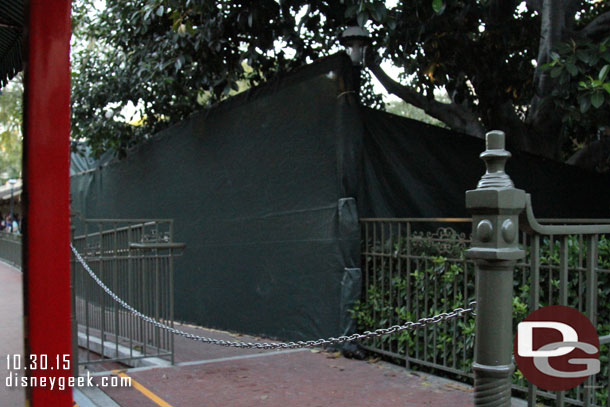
(446,220)
(126,220)
(575,221)
(11,236)
(563,221)
(529,224)
(133,224)
(157,245)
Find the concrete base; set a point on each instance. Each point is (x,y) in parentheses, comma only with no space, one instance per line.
(92,397)
(110,351)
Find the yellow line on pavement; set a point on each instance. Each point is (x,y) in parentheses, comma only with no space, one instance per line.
(152,396)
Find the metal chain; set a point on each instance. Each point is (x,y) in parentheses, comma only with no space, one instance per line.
(420,323)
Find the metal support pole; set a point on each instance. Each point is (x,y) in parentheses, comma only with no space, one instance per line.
(495,206)
(46,119)
(12,205)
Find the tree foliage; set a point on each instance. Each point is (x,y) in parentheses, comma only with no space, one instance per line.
(491,57)
(503,63)
(10,129)
(170,57)
(582,70)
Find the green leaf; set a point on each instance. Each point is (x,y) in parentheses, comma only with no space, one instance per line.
(584,56)
(607,87)
(376,16)
(585,103)
(179,62)
(604,72)
(438,6)
(597,99)
(160,11)
(362,17)
(350,11)
(555,72)
(189,28)
(379,12)
(572,69)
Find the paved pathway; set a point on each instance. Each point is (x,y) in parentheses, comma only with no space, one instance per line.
(211,376)
(11,331)
(289,379)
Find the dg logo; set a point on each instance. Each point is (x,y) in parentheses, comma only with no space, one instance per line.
(557,348)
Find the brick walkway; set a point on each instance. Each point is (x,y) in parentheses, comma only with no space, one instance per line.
(206,375)
(298,378)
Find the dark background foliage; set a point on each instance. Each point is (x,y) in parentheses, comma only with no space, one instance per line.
(535,69)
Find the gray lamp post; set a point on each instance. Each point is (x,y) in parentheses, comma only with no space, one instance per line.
(355,40)
(495,206)
(12,182)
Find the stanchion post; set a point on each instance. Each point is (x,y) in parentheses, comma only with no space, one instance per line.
(495,205)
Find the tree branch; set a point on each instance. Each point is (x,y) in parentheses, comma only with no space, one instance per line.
(594,156)
(551,31)
(599,27)
(455,116)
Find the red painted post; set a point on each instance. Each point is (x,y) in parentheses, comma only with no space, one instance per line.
(47,304)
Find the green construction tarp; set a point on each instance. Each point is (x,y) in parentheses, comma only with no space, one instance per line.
(262,189)
(412,169)
(267,188)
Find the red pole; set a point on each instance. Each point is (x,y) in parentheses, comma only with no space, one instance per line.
(47,304)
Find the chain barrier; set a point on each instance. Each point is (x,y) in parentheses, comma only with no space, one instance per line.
(408,326)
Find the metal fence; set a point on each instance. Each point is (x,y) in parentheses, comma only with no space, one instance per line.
(134,258)
(568,263)
(10,249)
(415,267)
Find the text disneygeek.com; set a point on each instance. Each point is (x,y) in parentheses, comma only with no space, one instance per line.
(17,377)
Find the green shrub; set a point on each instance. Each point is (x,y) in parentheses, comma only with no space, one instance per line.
(436,278)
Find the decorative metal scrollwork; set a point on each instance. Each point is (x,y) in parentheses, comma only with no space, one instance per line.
(155,236)
(445,240)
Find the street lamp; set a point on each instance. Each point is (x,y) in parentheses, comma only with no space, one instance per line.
(12,182)
(356,40)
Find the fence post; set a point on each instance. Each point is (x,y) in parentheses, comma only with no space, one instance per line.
(75,370)
(495,205)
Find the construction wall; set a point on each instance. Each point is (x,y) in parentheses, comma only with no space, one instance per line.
(266,191)
(262,192)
